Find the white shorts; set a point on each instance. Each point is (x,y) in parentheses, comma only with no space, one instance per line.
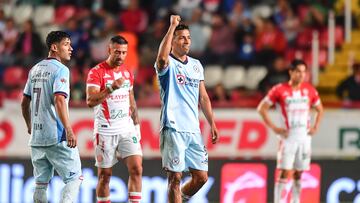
(294,155)
(107,147)
(182,150)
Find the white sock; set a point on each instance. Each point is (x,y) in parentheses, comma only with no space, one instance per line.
(134,197)
(280,186)
(70,191)
(40,193)
(103,199)
(296,191)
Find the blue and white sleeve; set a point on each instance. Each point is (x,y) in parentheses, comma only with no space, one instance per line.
(62,83)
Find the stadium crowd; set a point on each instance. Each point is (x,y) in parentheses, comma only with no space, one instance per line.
(227,35)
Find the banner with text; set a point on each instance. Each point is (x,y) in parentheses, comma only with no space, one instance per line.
(242,133)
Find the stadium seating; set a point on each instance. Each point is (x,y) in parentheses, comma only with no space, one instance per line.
(234,77)
(43,15)
(22,13)
(253,76)
(14,77)
(213,75)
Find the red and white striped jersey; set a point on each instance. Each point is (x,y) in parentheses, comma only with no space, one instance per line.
(295,106)
(112,116)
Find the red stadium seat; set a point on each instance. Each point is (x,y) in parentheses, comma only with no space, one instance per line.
(14,76)
(339,37)
(63,13)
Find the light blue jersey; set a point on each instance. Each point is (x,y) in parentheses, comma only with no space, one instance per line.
(179,86)
(47,78)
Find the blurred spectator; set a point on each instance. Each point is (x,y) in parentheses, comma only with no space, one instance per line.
(185,8)
(278,73)
(317,14)
(239,14)
(2,20)
(269,41)
(134,19)
(286,19)
(9,34)
(349,89)
(220,94)
(221,46)
(151,41)
(29,48)
(200,34)
(246,52)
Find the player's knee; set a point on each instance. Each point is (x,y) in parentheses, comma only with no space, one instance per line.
(285,174)
(135,170)
(297,175)
(174,179)
(201,179)
(104,177)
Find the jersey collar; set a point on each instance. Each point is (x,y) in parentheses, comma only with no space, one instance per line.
(183,62)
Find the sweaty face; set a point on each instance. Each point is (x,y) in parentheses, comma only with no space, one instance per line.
(118,53)
(64,49)
(298,75)
(181,42)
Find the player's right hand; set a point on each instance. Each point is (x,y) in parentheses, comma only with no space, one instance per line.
(117,83)
(71,139)
(281,131)
(175,20)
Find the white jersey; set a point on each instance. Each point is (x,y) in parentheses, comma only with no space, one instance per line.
(112,116)
(47,78)
(295,107)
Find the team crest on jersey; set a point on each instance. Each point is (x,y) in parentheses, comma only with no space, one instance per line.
(127,74)
(178,66)
(180,79)
(196,68)
(175,161)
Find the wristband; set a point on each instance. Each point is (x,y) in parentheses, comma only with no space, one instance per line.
(110,88)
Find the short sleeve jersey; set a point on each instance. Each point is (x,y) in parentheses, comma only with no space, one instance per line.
(295,106)
(112,116)
(179,92)
(46,79)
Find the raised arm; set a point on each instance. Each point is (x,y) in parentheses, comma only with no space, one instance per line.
(206,108)
(162,59)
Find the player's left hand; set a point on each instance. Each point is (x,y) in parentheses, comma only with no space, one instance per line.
(214,134)
(71,139)
(312,131)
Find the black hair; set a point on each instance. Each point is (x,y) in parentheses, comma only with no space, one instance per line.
(55,37)
(181,27)
(296,62)
(118,39)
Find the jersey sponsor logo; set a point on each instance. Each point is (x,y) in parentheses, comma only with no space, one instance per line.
(180,79)
(107,75)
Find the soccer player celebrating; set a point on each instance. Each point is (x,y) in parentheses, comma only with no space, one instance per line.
(53,143)
(182,89)
(116,128)
(295,98)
